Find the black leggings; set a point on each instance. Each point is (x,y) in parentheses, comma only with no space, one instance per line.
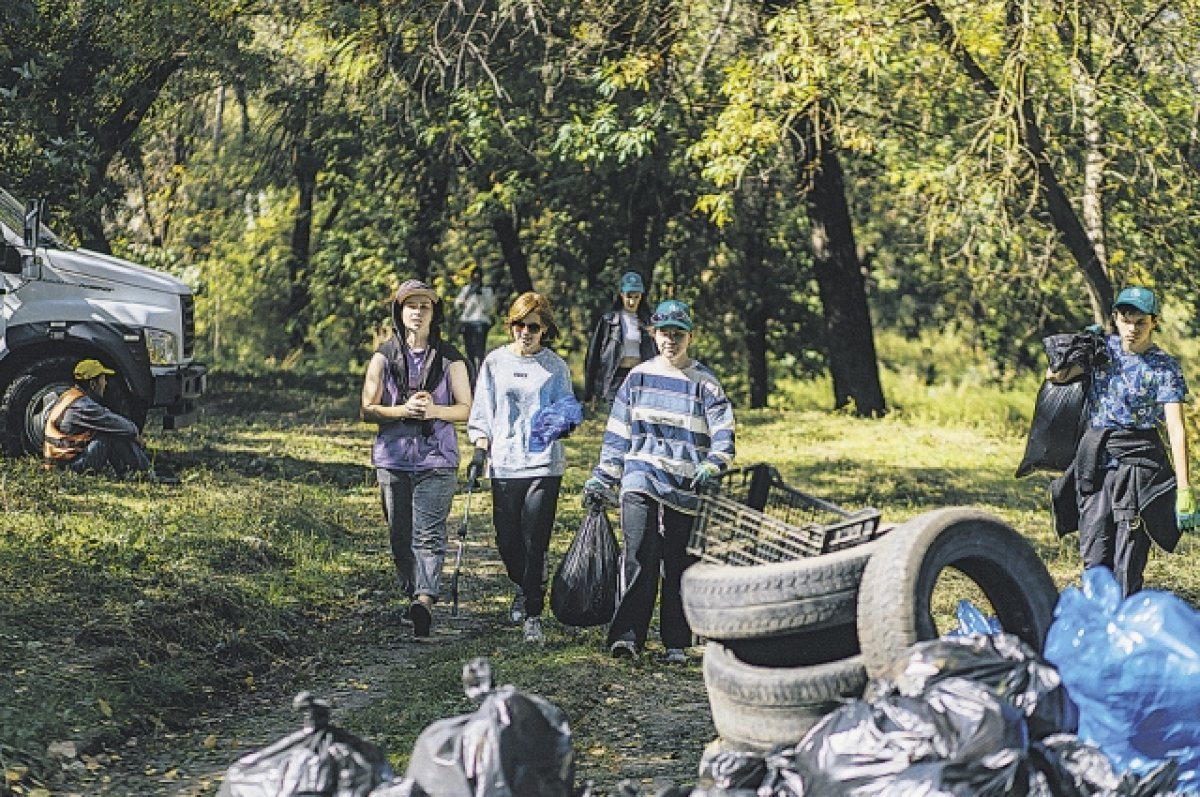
(523,513)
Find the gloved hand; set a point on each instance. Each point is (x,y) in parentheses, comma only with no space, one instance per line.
(705,473)
(1185,509)
(595,488)
(475,469)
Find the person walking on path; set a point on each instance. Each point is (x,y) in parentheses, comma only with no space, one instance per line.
(82,435)
(621,340)
(515,382)
(670,431)
(1125,488)
(416,388)
(476,305)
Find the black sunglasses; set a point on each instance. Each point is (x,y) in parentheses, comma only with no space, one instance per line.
(533,328)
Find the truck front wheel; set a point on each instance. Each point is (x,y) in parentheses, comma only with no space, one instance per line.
(35,389)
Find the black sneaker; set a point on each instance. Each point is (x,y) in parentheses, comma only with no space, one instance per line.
(422,618)
(624,649)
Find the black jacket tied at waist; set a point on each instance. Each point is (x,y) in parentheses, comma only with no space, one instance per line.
(1144,487)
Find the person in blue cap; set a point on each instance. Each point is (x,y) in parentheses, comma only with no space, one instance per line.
(621,340)
(670,431)
(1126,486)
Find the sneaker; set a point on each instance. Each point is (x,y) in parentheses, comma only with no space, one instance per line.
(624,649)
(517,611)
(674,656)
(422,618)
(533,630)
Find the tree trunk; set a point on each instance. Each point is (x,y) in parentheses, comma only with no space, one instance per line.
(849,337)
(509,239)
(305,167)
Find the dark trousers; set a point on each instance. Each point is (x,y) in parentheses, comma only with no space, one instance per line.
(122,454)
(1122,547)
(655,540)
(475,342)
(523,513)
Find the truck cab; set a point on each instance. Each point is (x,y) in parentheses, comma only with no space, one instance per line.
(60,304)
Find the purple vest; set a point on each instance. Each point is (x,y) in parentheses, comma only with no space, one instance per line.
(407,445)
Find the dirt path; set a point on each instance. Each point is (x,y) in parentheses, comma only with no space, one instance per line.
(648,727)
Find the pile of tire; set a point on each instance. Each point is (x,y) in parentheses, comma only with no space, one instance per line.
(788,642)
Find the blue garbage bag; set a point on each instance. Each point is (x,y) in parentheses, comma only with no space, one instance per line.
(1133,667)
(553,421)
(971,620)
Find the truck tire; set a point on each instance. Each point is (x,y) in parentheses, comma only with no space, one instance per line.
(897,586)
(24,400)
(725,602)
(760,707)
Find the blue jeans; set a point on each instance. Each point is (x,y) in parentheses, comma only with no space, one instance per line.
(416,505)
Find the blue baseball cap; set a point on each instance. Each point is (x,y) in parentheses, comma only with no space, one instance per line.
(631,282)
(672,313)
(1142,299)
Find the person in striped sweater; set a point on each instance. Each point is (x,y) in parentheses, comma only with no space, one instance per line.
(670,430)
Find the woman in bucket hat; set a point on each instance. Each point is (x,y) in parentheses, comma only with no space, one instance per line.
(621,340)
(416,388)
(1126,487)
(670,431)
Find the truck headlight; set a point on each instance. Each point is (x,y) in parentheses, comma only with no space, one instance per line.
(161,347)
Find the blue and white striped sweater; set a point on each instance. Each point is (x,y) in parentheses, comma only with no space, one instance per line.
(664,423)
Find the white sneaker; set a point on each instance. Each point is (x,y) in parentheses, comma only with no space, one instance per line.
(533,630)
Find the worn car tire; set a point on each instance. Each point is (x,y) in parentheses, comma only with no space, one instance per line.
(761,707)
(23,402)
(897,585)
(725,602)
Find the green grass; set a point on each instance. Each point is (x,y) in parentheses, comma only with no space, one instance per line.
(126,608)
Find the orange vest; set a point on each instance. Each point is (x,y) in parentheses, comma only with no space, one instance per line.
(61,448)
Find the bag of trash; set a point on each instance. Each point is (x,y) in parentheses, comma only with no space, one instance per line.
(584,590)
(1058,414)
(1133,667)
(1002,662)
(1066,766)
(957,738)
(318,759)
(513,745)
(555,420)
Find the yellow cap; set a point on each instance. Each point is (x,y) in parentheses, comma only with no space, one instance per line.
(90,369)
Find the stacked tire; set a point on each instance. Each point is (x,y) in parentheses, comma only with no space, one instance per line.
(790,641)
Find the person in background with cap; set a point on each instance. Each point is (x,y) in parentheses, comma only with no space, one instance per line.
(84,435)
(621,340)
(670,431)
(516,381)
(1121,491)
(416,388)
(476,305)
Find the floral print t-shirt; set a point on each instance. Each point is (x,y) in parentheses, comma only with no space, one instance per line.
(1129,391)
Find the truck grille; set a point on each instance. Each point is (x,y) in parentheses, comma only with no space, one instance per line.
(188,308)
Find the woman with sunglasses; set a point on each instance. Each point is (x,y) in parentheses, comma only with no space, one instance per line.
(514,382)
(671,430)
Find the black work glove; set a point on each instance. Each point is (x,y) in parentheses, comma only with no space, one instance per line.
(475,469)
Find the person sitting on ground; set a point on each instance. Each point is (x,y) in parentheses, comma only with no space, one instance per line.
(670,431)
(83,435)
(1124,488)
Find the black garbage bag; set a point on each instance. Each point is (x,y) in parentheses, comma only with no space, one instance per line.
(1066,766)
(319,759)
(956,740)
(513,745)
(1003,662)
(1058,414)
(584,590)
